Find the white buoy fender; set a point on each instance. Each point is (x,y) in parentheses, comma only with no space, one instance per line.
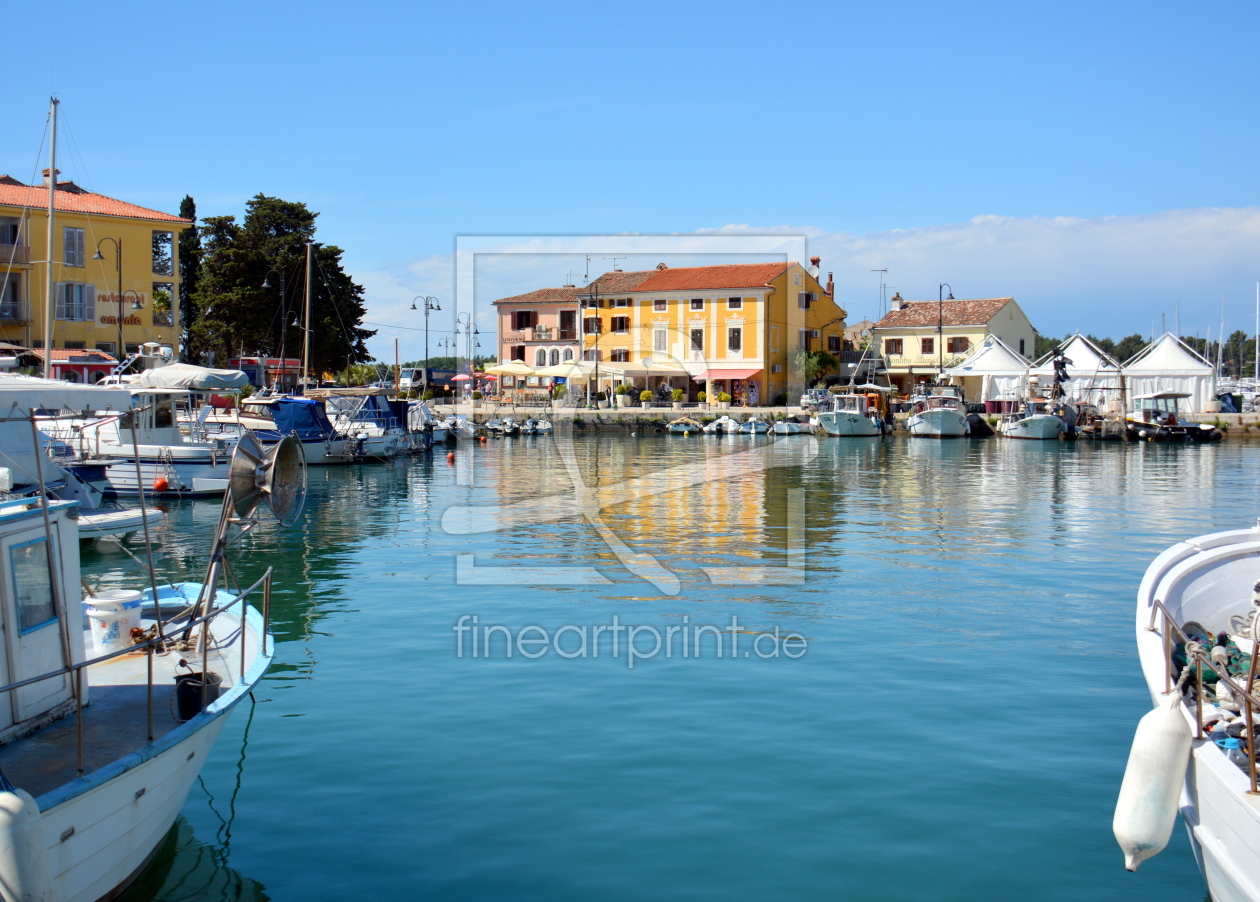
(24,872)
(1151,790)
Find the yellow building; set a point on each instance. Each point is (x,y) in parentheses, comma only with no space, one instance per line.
(731,328)
(97,241)
(919,338)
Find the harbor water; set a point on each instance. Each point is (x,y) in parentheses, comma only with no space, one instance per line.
(952,722)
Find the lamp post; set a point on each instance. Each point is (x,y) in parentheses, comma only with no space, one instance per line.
(430,303)
(592,303)
(465,321)
(122,348)
(940,327)
(284,331)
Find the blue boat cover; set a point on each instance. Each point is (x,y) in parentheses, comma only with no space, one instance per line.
(305,416)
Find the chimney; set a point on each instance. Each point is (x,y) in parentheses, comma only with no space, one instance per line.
(45,173)
(897,301)
(813,266)
(831,286)
(661,266)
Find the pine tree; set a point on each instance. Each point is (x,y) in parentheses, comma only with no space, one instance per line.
(189,270)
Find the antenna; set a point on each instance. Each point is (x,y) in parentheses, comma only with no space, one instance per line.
(882,272)
(587,276)
(614,260)
(570,277)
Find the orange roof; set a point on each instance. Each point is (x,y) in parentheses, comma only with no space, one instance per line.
(566,295)
(70,198)
(78,354)
(713,278)
(918,314)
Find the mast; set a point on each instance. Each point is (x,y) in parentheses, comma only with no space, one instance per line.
(50,291)
(306,322)
(1257,332)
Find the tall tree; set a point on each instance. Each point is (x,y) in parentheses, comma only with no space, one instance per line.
(237,314)
(189,270)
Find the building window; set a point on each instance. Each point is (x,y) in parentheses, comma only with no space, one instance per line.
(568,355)
(833,344)
(621,324)
(540,357)
(621,302)
(1021,347)
(10,232)
(958,345)
(591,325)
(697,339)
(553,358)
(523,319)
(892,347)
(76,301)
(106,346)
(660,340)
(927,345)
(734,339)
(734,303)
(163,300)
(72,244)
(11,297)
(777,368)
(76,345)
(621,355)
(163,258)
(132,348)
(697,303)
(660,305)
(518,353)
(593,354)
(804,299)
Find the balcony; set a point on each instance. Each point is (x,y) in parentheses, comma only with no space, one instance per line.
(14,253)
(163,318)
(541,333)
(11,312)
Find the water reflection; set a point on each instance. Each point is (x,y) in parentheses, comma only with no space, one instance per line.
(188,870)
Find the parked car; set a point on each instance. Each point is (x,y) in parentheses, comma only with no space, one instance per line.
(816,399)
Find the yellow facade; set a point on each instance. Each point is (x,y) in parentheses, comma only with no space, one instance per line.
(88,298)
(699,328)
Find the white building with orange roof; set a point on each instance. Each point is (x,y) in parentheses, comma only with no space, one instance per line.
(114,270)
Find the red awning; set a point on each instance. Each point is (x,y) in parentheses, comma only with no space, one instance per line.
(716,373)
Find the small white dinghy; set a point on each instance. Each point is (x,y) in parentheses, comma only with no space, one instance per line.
(115,523)
(723,425)
(754,426)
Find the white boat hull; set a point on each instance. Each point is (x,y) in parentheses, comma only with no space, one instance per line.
(937,423)
(1041,427)
(784,427)
(1206,580)
(107,523)
(842,423)
(182,477)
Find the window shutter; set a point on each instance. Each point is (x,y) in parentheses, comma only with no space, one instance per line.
(59,296)
(89,303)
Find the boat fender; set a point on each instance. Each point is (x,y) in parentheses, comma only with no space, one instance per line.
(160,485)
(450,457)
(1151,790)
(24,872)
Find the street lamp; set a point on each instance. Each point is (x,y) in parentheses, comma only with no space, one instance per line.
(118,267)
(284,332)
(940,327)
(430,303)
(465,321)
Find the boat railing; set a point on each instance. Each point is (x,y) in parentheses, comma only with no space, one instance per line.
(1246,700)
(151,646)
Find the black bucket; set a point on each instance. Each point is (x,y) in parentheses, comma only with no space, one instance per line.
(188,693)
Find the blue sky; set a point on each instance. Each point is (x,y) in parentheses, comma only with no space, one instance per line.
(1095,160)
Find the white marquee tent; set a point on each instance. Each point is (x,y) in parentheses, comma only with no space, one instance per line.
(1095,375)
(1168,364)
(992,372)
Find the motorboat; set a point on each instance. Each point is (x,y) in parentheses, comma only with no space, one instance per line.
(1158,417)
(424,428)
(367,416)
(939,415)
(458,427)
(90,791)
(792,426)
(857,414)
(1034,420)
(754,426)
(535,426)
(684,426)
(723,425)
(503,427)
(1197,624)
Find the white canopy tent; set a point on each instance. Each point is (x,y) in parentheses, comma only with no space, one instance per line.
(1095,374)
(992,372)
(1169,365)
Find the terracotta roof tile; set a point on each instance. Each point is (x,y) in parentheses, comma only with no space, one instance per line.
(566,295)
(67,353)
(611,283)
(918,314)
(711,278)
(70,198)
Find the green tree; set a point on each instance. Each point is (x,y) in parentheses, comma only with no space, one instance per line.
(813,365)
(189,269)
(1045,344)
(1127,347)
(237,315)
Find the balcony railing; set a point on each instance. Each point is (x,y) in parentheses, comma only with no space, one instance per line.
(14,253)
(11,312)
(541,333)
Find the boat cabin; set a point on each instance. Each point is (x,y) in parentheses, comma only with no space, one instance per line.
(1159,407)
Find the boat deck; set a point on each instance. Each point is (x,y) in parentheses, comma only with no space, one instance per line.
(115,720)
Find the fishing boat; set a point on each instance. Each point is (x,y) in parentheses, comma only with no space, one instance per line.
(723,425)
(684,426)
(856,413)
(1034,420)
(1198,621)
(90,791)
(939,415)
(754,426)
(1158,417)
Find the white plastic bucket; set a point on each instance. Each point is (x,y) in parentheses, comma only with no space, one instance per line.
(113,614)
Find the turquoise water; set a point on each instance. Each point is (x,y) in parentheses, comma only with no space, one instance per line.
(956,728)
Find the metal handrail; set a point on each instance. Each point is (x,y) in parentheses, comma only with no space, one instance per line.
(149,646)
(1250,703)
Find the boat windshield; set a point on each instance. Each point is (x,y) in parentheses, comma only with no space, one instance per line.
(1158,405)
(943,402)
(851,403)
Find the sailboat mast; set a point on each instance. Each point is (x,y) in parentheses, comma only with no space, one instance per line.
(49,288)
(306,321)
